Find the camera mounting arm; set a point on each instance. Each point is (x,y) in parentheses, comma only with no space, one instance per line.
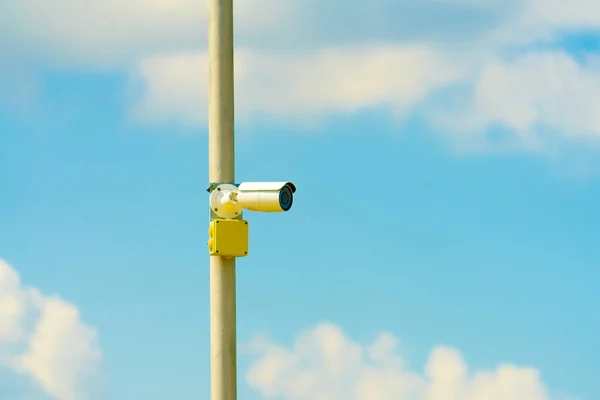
(223,201)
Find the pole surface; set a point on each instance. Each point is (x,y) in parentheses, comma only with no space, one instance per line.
(223,368)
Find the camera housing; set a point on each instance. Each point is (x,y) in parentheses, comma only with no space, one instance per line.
(228,201)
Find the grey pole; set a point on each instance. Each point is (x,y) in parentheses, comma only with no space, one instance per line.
(223,361)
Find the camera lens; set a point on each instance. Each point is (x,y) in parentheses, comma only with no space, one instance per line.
(286,198)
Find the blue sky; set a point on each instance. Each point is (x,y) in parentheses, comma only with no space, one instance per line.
(445,216)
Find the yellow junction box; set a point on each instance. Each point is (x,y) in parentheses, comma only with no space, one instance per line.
(228,238)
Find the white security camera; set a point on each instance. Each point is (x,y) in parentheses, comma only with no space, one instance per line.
(228,201)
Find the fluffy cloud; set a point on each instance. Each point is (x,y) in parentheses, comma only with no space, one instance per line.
(175,87)
(535,95)
(44,338)
(324,364)
(13,305)
(100,33)
(540,88)
(528,93)
(293,62)
(531,94)
(103,33)
(557,14)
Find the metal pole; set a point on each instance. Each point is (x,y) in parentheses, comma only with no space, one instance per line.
(223,367)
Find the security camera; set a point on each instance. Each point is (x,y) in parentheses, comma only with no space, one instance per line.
(228,201)
(266,196)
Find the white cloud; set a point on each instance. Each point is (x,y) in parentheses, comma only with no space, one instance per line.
(541,88)
(338,80)
(45,338)
(529,94)
(172,87)
(293,62)
(61,350)
(13,305)
(557,14)
(536,91)
(324,364)
(99,33)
